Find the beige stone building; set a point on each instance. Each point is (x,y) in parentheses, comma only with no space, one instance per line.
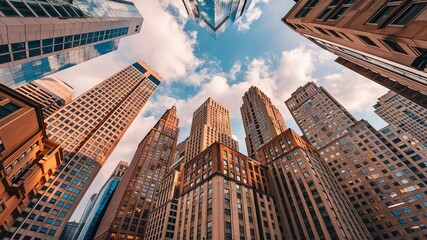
(211,123)
(261,119)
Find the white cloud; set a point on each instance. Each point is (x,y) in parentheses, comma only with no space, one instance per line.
(253,13)
(235,69)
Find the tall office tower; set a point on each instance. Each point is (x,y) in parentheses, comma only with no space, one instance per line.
(41,37)
(27,157)
(261,119)
(51,93)
(319,116)
(127,214)
(89,128)
(406,147)
(69,230)
(211,123)
(98,204)
(311,202)
(381,40)
(225,195)
(382,183)
(162,222)
(403,113)
(215,16)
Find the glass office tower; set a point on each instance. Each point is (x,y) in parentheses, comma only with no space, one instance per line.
(41,37)
(215,16)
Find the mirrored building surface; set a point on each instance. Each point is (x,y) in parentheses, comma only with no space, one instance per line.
(40,37)
(215,16)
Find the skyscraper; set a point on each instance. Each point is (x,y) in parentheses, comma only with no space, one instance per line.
(42,37)
(215,16)
(51,93)
(383,184)
(311,202)
(211,123)
(404,114)
(261,119)
(320,117)
(98,204)
(127,214)
(381,40)
(89,128)
(28,159)
(225,195)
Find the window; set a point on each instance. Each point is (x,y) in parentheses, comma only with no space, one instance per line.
(328,9)
(8,109)
(410,13)
(382,14)
(394,46)
(306,8)
(367,40)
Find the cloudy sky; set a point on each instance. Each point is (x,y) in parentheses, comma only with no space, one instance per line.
(258,50)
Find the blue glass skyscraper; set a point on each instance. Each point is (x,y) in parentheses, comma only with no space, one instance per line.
(215,16)
(98,204)
(41,37)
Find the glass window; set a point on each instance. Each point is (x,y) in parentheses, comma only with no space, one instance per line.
(394,46)
(8,109)
(367,40)
(382,14)
(410,13)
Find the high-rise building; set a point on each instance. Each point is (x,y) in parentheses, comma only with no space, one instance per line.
(311,202)
(225,195)
(381,40)
(89,128)
(211,123)
(384,185)
(51,93)
(215,16)
(261,119)
(28,159)
(404,114)
(69,230)
(98,204)
(179,153)
(161,223)
(127,214)
(42,37)
(320,117)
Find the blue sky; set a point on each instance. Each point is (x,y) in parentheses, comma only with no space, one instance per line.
(258,50)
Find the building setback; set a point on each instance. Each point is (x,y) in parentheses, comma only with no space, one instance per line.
(384,41)
(261,119)
(42,37)
(89,128)
(28,159)
(311,202)
(127,214)
(404,114)
(211,123)
(98,204)
(51,93)
(384,186)
(225,195)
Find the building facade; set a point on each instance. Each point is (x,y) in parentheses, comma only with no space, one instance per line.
(40,37)
(127,214)
(384,186)
(261,119)
(69,230)
(320,117)
(28,158)
(382,40)
(403,113)
(216,16)
(309,198)
(97,206)
(51,93)
(225,195)
(88,128)
(211,123)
